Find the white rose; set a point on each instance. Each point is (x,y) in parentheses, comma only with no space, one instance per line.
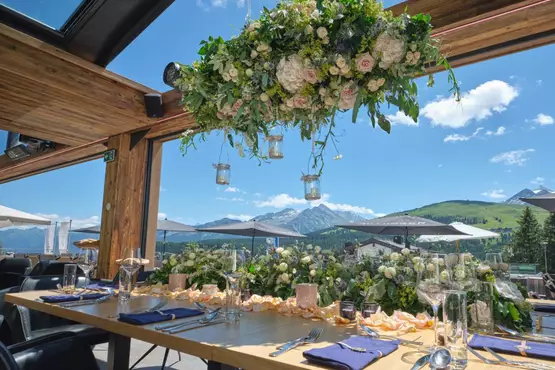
(233,72)
(334,70)
(285,254)
(309,247)
(340,62)
(459,274)
(226,77)
(389,49)
(312,273)
(416,260)
(431,267)
(290,73)
(254,54)
(264,97)
(441,262)
(192,256)
(325,40)
(329,101)
(365,62)
(444,276)
(482,269)
(190,263)
(308,29)
(317,249)
(348,96)
(262,47)
(322,91)
(306,259)
(294,271)
(419,267)
(173,261)
(322,32)
(382,269)
(390,272)
(313,266)
(373,85)
(249,72)
(394,256)
(346,69)
(284,277)
(282,266)
(279,250)
(405,251)
(310,75)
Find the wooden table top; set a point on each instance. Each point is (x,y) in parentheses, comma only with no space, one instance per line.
(541,302)
(246,344)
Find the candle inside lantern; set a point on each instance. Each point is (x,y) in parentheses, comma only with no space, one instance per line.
(347,310)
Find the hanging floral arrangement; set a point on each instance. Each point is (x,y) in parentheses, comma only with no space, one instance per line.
(304,61)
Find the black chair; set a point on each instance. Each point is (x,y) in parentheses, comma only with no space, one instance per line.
(25,324)
(12,271)
(51,267)
(60,351)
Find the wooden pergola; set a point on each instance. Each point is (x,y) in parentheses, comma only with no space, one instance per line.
(54,86)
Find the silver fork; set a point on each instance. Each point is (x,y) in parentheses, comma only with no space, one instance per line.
(526,364)
(354,349)
(484,359)
(310,338)
(377,335)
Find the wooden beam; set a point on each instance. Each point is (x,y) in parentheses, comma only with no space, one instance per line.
(153,202)
(122,209)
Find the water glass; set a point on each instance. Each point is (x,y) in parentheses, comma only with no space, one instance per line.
(70,276)
(481,311)
(369,308)
(306,295)
(125,285)
(347,310)
(232,263)
(87,260)
(455,327)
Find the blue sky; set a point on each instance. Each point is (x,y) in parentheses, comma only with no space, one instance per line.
(492,145)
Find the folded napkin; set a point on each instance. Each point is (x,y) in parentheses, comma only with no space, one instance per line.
(157,316)
(514,347)
(539,307)
(70,297)
(338,357)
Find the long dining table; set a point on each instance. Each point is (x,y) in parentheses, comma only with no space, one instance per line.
(245,344)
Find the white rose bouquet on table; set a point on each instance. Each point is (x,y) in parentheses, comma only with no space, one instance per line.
(303,61)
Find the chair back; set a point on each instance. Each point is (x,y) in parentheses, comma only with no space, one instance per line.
(47,257)
(51,267)
(7,361)
(15,265)
(48,282)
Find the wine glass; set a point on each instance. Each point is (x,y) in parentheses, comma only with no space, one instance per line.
(130,263)
(87,259)
(233,262)
(430,285)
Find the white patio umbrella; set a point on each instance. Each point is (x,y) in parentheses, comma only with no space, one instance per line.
(13,217)
(472,232)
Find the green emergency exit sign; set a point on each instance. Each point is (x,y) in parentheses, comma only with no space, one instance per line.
(109,156)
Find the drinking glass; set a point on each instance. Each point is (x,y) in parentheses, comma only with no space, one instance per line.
(455,326)
(481,311)
(462,274)
(130,263)
(125,285)
(347,310)
(233,262)
(495,261)
(87,260)
(369,308)
(431,284)
(70,275)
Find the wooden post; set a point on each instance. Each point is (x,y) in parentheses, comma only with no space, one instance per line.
(122,207)
(153,202)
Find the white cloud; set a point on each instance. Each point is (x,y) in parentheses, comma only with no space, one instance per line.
(162,215)
(439,165)
(539,82)
(401,118)
(219,3)
(538,181)
(499,132)
(495,194)
(231,199)
(543,119)
(232,189)
(457,137)
(285,200)
(202,5)
(515,157)
(240,217)
(76,223)
(240,3)
(379,214)
(477,104)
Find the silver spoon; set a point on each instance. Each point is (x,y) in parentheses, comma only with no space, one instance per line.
(440,359)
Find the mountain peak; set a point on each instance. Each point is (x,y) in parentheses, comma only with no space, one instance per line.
(527,193)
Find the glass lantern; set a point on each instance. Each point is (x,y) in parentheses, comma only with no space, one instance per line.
(223,173)
(275,146)
(311,187)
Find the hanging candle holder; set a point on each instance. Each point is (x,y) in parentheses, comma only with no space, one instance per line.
(311,187)
(223,173)
(275,146)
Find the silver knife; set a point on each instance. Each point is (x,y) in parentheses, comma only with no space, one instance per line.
(87,302)
(421,362)
(185,328)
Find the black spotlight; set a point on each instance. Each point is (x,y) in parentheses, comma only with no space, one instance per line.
(171,74)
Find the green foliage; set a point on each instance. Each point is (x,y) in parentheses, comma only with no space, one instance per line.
(300,63)
(526,246)
(548,238)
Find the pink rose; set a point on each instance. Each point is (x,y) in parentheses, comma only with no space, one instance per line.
(365,62)
(300,101)
(348,96)
(310,75)
(238,103)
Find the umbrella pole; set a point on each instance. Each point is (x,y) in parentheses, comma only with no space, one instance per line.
(457,246)
(252,247)
(407,244)
(164,245)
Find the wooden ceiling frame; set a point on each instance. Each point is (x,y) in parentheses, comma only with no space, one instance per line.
(62,98)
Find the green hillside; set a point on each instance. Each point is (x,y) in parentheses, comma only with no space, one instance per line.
(485,215)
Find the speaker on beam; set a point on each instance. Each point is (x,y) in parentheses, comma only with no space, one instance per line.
(153,105)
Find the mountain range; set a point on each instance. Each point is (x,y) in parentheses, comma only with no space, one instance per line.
(527,193)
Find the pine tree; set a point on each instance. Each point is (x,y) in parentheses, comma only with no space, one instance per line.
(549,241)
(526,246)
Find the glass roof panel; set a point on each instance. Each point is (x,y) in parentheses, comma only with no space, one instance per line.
(51,13)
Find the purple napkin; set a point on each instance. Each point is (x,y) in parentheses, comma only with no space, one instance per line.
(337,357)
(70,297)
(514,347)
(158,316)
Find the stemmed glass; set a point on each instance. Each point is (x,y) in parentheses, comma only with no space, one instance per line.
(430,285)
(130,263)
(233,262)
(87,259)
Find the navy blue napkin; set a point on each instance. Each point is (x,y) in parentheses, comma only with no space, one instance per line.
(70,297)
(338,357)
(514,347)
(157,316)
